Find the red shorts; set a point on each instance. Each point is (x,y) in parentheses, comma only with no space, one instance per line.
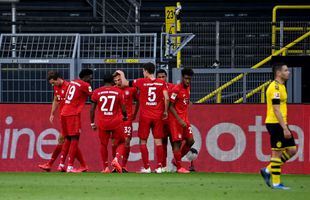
(127,129)
(117,134)
(71,125)
(145,124)
(178,133)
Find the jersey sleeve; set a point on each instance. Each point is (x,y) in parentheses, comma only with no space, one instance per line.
(174,94)
(275,95)
(137,83)
(87,89)
(94,97)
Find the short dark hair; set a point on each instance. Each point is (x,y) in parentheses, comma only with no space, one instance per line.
(53,75)
(187,71)
(160,71)
(149,67)
(108,78)
(85,72)
(277,67)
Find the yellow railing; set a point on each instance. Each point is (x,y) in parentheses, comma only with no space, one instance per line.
(260,88)
(240,76)
(274,21)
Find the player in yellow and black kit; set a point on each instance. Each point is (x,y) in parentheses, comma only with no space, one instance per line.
(282,142)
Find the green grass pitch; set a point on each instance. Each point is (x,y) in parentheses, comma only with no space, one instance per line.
(200,186)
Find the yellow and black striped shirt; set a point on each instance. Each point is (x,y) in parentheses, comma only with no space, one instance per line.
(276,94)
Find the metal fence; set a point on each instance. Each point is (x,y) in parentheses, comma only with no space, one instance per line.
(25,60)
(238,44)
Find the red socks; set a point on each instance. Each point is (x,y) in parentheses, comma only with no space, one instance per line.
(185,149)
(55,154)
(72,152)
(177,158)
(159,154)
(64,151)
(145,155)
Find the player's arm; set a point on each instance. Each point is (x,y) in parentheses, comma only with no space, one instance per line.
(55,105)
(175,114)
(166,101)
(136,108)
(92,115)
(277,112)
(124,112)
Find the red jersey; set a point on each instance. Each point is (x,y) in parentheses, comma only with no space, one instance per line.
(151,97)
(130,93)
(180,97)
(109,100)
(60,93)
(76,96)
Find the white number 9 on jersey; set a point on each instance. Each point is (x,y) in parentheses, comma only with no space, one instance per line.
(71,92)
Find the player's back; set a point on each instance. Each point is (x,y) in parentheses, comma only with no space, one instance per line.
(109,100)
(151,97)
(76,96)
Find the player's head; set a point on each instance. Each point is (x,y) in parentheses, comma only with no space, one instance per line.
(117,79)
(86,75)
(54,78)
(161,74)
(187,74)
(280,71)
(148,69)
(108,80)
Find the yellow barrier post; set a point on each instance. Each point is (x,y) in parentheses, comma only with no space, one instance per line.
(219,97)
(262,95)
(274,20)
(254,67)
(178,28)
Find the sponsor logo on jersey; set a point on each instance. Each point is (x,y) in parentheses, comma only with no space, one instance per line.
(276,95)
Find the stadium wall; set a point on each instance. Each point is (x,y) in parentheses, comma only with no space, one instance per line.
(229,138)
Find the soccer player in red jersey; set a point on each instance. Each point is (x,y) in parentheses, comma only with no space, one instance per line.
(111,113)
(154,101)
(60,87)
(179,124)
(130,95)
(75,99)
(162,74)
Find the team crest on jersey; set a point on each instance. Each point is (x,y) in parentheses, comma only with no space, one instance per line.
(173,96)
(127,92)
(179,136)
(279,144)
(276,95)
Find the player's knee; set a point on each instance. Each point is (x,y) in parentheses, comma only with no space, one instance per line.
(61,140)
(292,151)
(190,142)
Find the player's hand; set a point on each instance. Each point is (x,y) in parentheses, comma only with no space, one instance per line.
(287,133)
(165,115)
(182,123)
(51,118)
(120,73)
(93,126)
(61,139)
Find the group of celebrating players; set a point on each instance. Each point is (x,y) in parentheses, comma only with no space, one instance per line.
(163,109)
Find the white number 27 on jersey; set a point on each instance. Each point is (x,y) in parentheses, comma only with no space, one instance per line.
(105,101)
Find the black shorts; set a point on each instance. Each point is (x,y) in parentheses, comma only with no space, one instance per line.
(277,140)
